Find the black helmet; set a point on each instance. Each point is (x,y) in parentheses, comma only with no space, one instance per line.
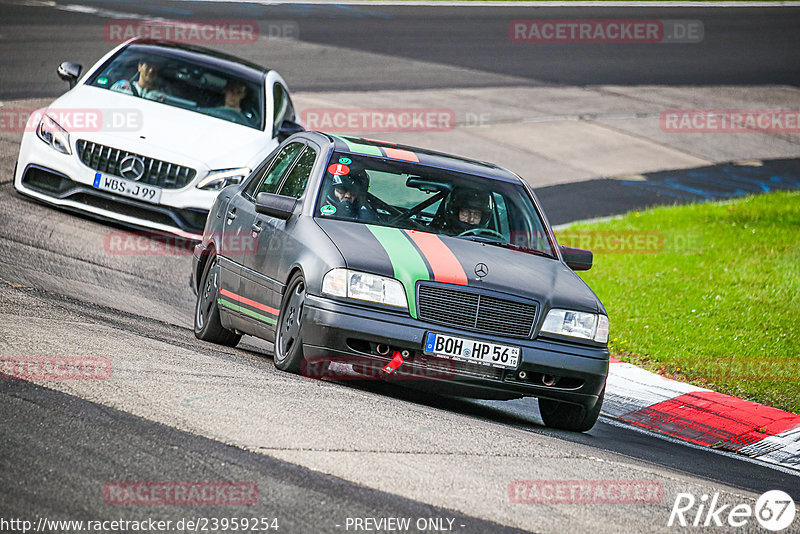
(467,198)
(356,182)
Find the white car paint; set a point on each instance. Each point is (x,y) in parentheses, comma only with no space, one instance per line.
(162,132)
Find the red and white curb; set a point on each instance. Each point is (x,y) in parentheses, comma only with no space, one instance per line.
(701,416)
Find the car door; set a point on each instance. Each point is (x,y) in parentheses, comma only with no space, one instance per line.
(229,270)
(262,280)
(286,246)
(241,238)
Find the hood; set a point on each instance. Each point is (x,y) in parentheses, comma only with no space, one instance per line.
(158,130)
(413,256)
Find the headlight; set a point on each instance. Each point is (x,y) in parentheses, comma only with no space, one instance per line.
(364,286)
(222,178)
(53,134)
(577,324)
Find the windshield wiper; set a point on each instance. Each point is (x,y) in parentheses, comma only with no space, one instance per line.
(477,239)
(510,246)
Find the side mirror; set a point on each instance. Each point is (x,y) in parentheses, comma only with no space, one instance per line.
(577,259)
(288,128)
(69,72)
(276,206)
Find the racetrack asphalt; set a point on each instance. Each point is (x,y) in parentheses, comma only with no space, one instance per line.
(60,452)
(565,203)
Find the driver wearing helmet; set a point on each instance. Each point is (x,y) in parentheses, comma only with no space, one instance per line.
(467,209)
(347,195)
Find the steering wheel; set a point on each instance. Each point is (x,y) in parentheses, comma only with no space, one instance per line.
(476,231)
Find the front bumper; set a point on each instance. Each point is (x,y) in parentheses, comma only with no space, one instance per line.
(63,180)
(345,332)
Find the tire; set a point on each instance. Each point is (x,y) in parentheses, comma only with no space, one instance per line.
(207,325)
(565,416)
(288,334)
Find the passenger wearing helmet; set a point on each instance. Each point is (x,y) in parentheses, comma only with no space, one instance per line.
(347,195)
(467,209)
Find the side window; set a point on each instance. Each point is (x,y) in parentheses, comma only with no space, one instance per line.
(273,173)
(257,175)
(289,115)
(280,101)
(295,183)
(284,109)
(501,214)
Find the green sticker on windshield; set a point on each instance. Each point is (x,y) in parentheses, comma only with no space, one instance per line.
(327,210)
(102,81)
(345,161)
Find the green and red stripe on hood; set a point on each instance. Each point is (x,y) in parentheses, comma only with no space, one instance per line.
(413,256)
(407,255)
(418,256)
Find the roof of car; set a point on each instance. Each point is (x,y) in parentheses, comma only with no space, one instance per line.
(210,57)
(386,149)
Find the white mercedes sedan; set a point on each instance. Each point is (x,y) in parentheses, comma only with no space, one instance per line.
(151,133)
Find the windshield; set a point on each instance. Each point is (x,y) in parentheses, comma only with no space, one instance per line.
(411,196)
(178,82)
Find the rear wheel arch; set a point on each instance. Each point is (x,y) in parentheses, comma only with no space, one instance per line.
(207,323)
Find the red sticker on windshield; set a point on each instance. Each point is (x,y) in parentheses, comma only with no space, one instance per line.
(337,169)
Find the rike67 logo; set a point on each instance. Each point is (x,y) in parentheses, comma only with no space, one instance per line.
(774,510)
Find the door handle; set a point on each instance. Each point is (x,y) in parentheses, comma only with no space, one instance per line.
(232,214)
(256,228)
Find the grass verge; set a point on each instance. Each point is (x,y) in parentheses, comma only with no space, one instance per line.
(705,293)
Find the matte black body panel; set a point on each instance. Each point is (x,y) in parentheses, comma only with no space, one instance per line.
(349,329)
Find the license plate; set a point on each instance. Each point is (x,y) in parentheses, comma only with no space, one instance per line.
(470,350)
(128,188)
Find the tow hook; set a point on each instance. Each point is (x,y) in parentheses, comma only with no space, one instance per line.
(397,361)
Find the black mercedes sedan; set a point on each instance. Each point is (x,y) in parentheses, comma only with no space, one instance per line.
(403,263)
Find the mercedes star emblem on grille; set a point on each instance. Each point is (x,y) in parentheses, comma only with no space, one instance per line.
(131,167)
(481,270)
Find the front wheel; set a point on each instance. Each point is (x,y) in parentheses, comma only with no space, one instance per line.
(207,325)
(288,338)
(565,416)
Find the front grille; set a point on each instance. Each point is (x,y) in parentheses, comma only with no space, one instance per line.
(107,160)
(475,311)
